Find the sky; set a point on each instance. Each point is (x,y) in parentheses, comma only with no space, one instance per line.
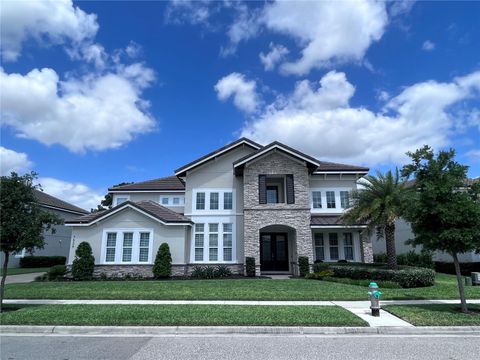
(95,93)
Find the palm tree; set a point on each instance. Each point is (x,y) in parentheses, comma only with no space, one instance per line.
(378,205)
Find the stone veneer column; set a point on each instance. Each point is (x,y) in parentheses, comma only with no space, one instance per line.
(366,246)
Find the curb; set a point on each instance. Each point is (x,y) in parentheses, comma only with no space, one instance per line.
(232,330)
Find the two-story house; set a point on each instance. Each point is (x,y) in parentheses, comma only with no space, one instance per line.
(272,203)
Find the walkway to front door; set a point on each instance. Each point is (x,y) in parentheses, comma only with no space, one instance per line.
(274,252)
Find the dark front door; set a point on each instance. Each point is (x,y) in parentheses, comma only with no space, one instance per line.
(273,252)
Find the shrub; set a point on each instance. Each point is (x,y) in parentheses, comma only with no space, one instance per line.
(42,261)
(42,277)
(321,275)
(210,272)
(103,276)
(222,271)
(250,266)
(162,268)
(303,266)
(84,263)
(405,276)
(449,268)
(320,266)
(363,283)
(56,272)
(422,259)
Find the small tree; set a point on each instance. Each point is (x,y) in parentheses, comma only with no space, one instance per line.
(84,263)
(162,268)
(303,266)
(444,214)
(22,220)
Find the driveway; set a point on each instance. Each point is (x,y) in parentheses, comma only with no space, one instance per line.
(22,278)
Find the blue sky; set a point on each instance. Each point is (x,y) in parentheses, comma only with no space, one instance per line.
(96,93)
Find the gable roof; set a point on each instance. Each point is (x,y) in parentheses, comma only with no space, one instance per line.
(169,183)
(233,145)
(147,207)
(52,202)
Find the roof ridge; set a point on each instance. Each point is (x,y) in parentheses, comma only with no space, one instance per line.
(64,205)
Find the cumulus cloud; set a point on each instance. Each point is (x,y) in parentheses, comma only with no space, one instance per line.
(75,193)
(46,21)
(273,57)
(13,161)
(241,90)
(320,121)
(428,45)
(93,112)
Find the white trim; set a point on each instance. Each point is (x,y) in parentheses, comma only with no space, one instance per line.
(214,155)
(339,172)
(145,191)
(62,209)
(131,207)
(338,201)
(357,256)
(170,203)
(207,211)
(116,197)
(119,246)
(276,146)
(338,226)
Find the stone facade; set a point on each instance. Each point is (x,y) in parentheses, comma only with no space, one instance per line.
(366,247)
(294,216)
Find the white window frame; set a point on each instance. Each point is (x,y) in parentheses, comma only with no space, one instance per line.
(120,196)
(341,244)
(206,239)
(207,211)
(338,202)
(119,246)
(170,200)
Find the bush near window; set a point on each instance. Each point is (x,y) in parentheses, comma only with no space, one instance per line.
(42,261)
(321,275)
(405,276)
(449,268)
(303,266)
(56,272)
(211,272)
(250,266)
(84,263)
(162,268)
(423,259)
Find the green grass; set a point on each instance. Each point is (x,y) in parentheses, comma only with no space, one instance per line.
(178,315)
(241,289)
(436,315)
(17,271)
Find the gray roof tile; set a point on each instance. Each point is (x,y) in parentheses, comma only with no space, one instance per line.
(165,184)
(51,201)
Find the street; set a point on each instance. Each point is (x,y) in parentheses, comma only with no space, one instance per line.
(344,347)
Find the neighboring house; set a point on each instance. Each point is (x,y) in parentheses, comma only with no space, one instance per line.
(271,202)
(57,243)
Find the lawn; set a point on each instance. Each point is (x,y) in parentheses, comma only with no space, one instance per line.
(17,271)
(178,315)
(241,289)
(436,315)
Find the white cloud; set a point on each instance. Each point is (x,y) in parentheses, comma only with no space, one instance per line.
(13,161)
(321,121)
(276,54)
(474,154)
(243,91)
(75,193)
(428,45)
(93,112)
(327,31)
(46,21)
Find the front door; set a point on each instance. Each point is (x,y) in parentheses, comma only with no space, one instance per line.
(273,252)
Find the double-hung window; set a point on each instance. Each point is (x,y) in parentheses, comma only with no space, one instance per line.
(319,247)
(213,242)
(214,201)
(227,241)
(165,200)
(144,246)
(333,245)
(199,241)
(127,246)
(348,246)
(317,199)
(344,199)
(330,199)
(110,247)
(200,203)
(227,200)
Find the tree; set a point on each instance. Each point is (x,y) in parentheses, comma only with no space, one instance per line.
(84,262)
(107,201)
(444,214)
(162,268)
(378,205)
(22,219)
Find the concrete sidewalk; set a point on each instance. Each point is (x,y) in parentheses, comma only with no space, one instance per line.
(22,278)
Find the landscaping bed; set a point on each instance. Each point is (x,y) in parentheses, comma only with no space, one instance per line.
(436,314)
(181,315)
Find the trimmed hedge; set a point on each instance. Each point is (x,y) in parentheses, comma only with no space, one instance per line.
(42,261)
(303,266)
(56,272)
(250,266)
(405,276)
(211,272)
(423,259)
(465,268)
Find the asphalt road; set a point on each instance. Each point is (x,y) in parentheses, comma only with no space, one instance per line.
(344,347)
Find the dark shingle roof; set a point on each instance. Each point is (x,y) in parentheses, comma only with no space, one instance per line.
(51,201)
(330,166)
(150,207)
(165,184)
(326,220)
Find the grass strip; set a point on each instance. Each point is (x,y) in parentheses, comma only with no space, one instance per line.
(181,315)
(436,314)
(229,289)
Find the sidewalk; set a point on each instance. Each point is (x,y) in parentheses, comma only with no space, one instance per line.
(22,278)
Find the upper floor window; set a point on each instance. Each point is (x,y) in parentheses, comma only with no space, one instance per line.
(200,204)
(121,200)
(331,199)
(214,201)
(274,189)
(165,201)
(272,194)
(228,201)
(317,199)
(172,200)
(344,199)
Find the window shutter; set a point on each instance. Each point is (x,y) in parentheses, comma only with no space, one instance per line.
(290,189)
(262,189)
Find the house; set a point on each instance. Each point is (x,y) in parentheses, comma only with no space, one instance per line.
(58,242)
(272,203)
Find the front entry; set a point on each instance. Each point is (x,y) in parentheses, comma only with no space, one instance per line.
(273,252)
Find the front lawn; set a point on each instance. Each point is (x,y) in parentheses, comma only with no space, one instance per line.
(436,315)
(18,271)
(241,289)
(181,315)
